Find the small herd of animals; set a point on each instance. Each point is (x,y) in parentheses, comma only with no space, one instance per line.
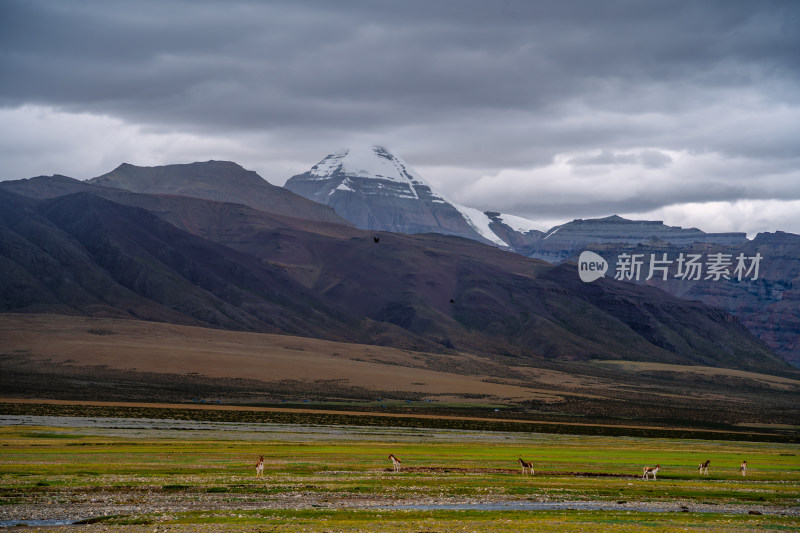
(646,472)
(702,468)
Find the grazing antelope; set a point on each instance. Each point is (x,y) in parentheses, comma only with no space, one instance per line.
(743,468)
(525,465)
(703,468)
(648,470)
(395,462)
(260,467)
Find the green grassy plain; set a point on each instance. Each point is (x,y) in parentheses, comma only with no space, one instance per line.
(333,478)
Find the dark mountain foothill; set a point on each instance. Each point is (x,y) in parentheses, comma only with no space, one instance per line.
(106,259)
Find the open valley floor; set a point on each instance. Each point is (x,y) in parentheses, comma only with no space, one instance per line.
(167,474)
(123,425)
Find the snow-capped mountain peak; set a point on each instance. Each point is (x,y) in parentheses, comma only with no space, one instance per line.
(377,190)
(373,162)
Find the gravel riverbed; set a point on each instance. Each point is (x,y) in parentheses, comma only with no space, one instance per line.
(160,505)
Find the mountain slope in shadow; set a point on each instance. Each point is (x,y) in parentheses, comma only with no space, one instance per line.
(228,266)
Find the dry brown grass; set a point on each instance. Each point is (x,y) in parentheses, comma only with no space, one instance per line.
(165,348)
(780,382)
(86,359)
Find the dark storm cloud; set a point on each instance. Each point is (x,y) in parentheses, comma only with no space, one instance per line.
(288,63)
(471,85)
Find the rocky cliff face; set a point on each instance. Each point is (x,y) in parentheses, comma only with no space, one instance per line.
(757,281)
(561,242)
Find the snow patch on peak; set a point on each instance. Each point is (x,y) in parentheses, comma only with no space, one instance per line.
(480,222)
(372,162)
(343,186)
(329,165)
(519,224)
(552,232)
(377,161)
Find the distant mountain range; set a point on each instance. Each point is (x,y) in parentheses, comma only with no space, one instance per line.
(94,248)
(375,189)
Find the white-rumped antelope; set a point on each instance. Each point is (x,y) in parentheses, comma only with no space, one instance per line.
(703,468)
(395,462)
(525,465)
(650,470)
(260,467)
(743,468)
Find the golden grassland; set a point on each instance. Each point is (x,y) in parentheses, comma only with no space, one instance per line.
(148,347)
(60,342)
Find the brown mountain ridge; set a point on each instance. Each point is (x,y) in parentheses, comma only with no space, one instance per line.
(222,181)
(199,262)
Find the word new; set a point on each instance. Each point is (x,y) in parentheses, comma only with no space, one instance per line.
(689,267)
(591,266)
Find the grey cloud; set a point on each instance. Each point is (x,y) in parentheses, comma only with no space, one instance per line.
(587,207)
(481,85)
(645,158)
(606,157)
(654,159)
(439,57)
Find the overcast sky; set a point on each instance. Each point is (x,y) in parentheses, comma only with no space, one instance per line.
(687,112)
